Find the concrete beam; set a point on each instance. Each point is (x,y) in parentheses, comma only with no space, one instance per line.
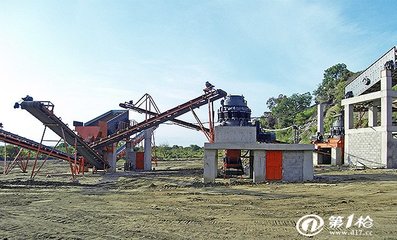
(361,98)
(369,97)
(260,146)
(370,129)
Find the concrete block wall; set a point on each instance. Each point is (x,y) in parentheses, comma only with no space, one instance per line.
(297,166)
(293,166)
(364,147)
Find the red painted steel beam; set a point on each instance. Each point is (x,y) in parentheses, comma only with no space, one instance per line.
(210,95)
(128,105)
(31,145)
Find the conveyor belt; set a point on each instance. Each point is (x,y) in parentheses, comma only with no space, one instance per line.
(41,110)
(369,80)
(17,140)
(172,113)
(128,105)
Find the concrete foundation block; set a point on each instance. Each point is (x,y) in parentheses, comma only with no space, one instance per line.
(228,134)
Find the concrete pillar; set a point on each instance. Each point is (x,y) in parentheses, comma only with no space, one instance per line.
(320,118)
(307,166)
(5,158)
(346,157)
(317,158)
(130,157)
(148,150)
(111,158)
(259,166)
(386,80)
(336,156)
(349,124)
(349,120)
(386,118)
(386,101)
(210,165)
(372,115)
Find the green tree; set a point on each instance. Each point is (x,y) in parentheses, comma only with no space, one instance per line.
(331,89)
(283,108)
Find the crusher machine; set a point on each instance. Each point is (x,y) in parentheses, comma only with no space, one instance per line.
(235,112)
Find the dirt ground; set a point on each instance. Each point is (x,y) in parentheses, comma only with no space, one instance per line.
(172,203)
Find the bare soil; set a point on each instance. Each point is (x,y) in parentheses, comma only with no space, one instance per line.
(173,203)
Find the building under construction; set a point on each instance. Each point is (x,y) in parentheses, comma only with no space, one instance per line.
(364,134)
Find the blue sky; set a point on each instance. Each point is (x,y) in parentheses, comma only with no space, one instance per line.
(88,56)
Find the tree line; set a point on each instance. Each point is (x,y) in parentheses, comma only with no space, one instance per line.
(299,109)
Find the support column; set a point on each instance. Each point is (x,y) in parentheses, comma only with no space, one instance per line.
(110,157)
(251,163)
(386,101)
(320,118)
(210,165)
(348,125)
(259,166)
(386,118)
(317,158)
(372,115)
(349,117)
(5,158)
(307,165)
(148,150)
(130,157)
(336,156)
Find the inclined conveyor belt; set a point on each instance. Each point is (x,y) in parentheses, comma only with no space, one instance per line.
(26,143)
(41,110)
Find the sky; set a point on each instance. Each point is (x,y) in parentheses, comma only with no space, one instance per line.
(88,56)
